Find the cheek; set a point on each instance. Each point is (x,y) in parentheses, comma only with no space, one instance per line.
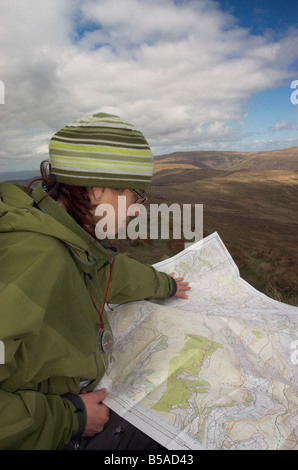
(133,210)
(125,208)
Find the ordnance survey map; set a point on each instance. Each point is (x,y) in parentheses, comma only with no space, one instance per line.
(216,371)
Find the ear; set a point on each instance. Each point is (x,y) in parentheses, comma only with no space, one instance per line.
(94,194)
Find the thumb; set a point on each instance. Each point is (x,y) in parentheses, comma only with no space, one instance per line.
(101,394)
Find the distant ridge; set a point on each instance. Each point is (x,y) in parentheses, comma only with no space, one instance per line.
(283,159)
(18,175)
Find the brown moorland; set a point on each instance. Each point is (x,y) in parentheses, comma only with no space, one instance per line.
(250,199)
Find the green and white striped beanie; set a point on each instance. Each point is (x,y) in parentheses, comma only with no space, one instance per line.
(101,150)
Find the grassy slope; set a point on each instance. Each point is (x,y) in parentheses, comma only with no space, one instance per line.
(255,214)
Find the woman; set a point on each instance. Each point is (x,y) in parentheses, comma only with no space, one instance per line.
(55,278)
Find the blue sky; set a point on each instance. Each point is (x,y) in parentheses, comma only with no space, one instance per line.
(272,115)
(191,75)
(272,106)
(258,15)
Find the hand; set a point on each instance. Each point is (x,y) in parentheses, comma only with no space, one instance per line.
(97,412)
(181,287)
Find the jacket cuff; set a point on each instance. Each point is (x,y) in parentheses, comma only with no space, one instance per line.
(80,411)
(174,287)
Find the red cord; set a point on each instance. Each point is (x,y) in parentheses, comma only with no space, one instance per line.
(104,302)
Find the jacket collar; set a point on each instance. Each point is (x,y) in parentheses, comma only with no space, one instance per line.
(52,220)
(98,252)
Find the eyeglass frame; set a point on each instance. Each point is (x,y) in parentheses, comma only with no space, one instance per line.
(140,196)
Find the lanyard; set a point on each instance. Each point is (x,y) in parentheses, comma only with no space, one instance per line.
(104,302)
(106,294)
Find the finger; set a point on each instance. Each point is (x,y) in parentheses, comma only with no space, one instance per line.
(181,295)
(184,287)
(181,283)
(101,394)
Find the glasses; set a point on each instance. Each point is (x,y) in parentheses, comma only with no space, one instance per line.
(139,198)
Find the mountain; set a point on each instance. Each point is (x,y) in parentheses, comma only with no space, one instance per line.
(284,159)
(18,175)
(250,199)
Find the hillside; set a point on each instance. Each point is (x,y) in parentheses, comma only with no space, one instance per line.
(285,159)
(253,208)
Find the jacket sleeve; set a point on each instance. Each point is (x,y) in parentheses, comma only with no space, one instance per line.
(33,420)
(29,419)
(132,280)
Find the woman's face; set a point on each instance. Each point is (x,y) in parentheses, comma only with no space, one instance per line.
(116,206)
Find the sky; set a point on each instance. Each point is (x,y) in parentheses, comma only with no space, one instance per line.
(190,74)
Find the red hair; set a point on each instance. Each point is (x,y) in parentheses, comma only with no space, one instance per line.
(75,199)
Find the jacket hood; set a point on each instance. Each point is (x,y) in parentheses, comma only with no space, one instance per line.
(18,214)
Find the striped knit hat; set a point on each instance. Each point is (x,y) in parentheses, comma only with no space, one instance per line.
(101,150)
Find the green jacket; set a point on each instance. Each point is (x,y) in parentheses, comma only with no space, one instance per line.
(49,268)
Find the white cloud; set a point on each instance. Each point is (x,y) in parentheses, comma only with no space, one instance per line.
(282,126)
(181,72)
